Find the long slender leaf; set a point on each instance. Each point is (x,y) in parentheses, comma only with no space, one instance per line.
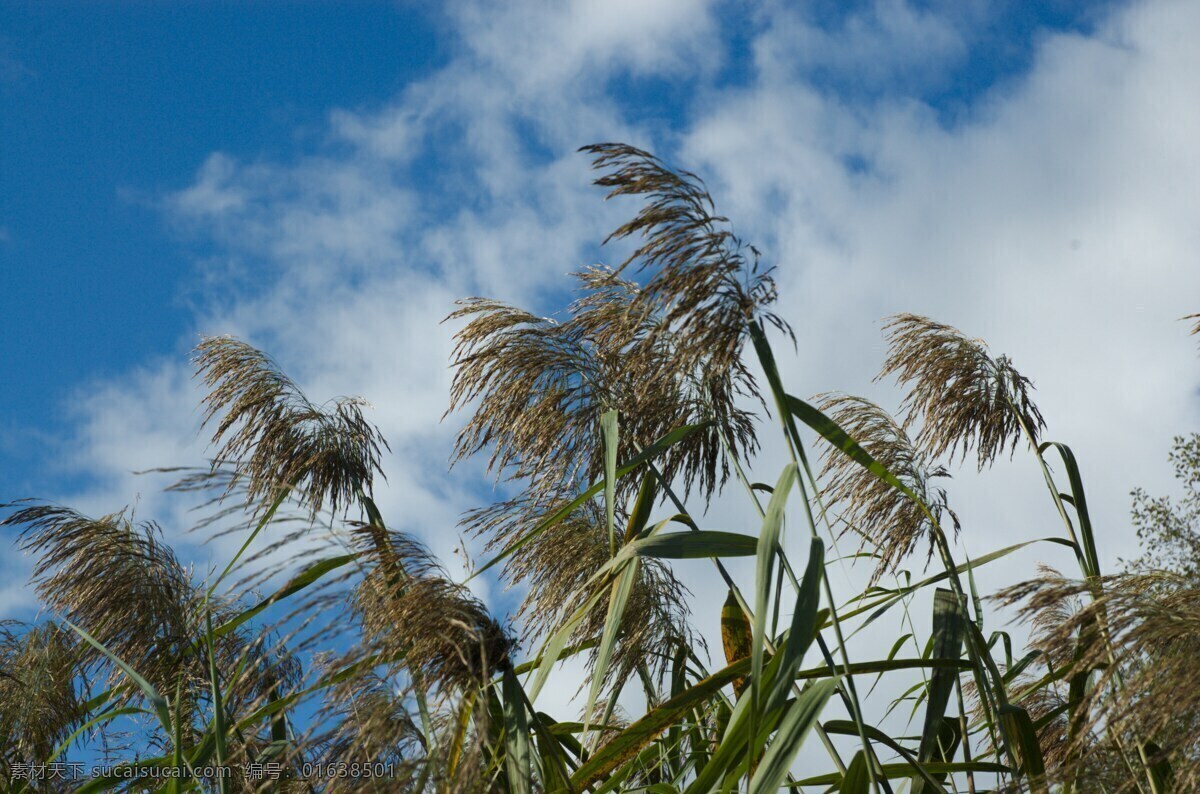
(647,454)
(1028,752)
(218,705)
(297,583)
(518,753)
(800,719)
(832,432)
(768,546)
(895,595)
(626,744)
(103,717)
(157,702)
(849,728)
(609,433)
(1079,499)
(905,770)
(640,517)
(558,641)
(804,623)
(948,634)
(693,545)
(857,779)
(617,602)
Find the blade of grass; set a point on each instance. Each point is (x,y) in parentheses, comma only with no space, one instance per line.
(804,621)
(558,641)
(626,744)
(857,779)
(297,583)
(617,601)
(768,544)
(948,633)
(646,455)
(798,721)
(904,770)
(1028,751)
(696,545)
(849,691)
(518,757)
(218,704)
(609,433)
(640,517)
(158,703)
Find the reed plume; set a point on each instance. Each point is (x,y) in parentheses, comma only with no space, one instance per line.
(1145,684)
(963,398)
(421,622)
(275,438)
(39,701)
(887,519)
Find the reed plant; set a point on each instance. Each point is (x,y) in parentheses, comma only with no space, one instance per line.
(613,428)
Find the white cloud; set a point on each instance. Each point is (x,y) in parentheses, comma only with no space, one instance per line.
(881,46)
(542,45)
(1057,220)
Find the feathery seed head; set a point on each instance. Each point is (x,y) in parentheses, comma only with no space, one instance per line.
(556,573)
(412,612)
(963,397)
(884,516)
(39,704)
(275,438)
(1140,633)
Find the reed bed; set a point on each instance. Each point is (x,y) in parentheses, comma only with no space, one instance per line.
(370,669)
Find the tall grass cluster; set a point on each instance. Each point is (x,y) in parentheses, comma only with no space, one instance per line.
(370,669)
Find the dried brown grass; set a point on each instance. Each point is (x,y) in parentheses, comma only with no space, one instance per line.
(961,397)
(886,519)
(275,438)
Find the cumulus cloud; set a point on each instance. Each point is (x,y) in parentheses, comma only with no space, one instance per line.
(1056,220)
(884,45)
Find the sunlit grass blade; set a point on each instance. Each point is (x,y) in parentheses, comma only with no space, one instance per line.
(518,757)
(804,623)
(734,746)
(768,545)
(554,646)
(618,599)
(799,720)
(1087,537)
(626,744)
(832,432)
(894,596)
(609,433)
(99,719)
(948,633)
(647,454)
(693,545)
(300,581)
(158,703)
(640,517)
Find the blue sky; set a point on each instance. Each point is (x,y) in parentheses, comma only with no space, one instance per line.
(325,179)
(109,107)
